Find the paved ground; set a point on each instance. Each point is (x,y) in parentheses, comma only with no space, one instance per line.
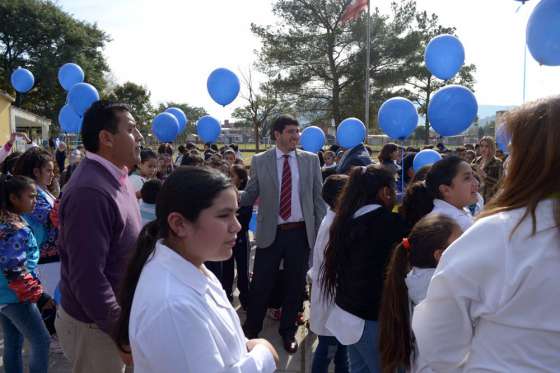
(299,362)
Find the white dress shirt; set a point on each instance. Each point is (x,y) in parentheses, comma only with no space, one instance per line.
(320,307)
(181,321)
(462,217)
(297,214)
(493,304)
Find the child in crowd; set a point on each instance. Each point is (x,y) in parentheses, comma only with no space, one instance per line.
(149,193)
(362,236)
(450,187)
(175,315)
(319,307)
(21,293)
(408,276)
(146,170)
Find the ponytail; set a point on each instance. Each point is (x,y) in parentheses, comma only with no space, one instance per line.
(145,247)
(394,314)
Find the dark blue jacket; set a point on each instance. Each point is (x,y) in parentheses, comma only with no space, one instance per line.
(357,156)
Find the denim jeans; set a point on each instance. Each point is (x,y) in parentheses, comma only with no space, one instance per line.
(19,321)
(327,349)
(364,355)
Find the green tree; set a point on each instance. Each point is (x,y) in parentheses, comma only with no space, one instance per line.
(263,103)
(422,84)
(40,36)
(138,98)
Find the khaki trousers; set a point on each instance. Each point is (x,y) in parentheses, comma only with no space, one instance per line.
(89,349)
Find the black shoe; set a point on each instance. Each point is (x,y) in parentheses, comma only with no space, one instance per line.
(290,344)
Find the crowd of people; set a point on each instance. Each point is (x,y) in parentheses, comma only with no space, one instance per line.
(123,256)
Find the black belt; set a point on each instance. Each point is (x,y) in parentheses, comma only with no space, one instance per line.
(291,226)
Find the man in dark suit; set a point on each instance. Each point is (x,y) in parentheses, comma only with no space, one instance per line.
(288,182)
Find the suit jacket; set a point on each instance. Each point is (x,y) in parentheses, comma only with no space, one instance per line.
(357,156)
(264,183)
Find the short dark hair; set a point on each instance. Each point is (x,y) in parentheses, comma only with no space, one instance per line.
(281,122)
(332,187)
(100,116)
(146,155)
(181,148)
(192,159)
(165,149)
(241,173)
(150,190)
(190,146)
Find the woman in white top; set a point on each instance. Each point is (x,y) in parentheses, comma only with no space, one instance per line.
(493,303)
(175,315)
(452,183)
(450,187)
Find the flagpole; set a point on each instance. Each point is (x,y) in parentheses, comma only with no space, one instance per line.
(368,45)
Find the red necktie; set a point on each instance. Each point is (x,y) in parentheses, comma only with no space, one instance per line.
(286,191)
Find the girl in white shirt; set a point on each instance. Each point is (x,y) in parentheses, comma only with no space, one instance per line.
(408,275)
(146,170)
(450,187)
(494,300)
(175,315)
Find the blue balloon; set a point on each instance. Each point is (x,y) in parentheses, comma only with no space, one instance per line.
(22,80)
(312,139)
(57,296)
(444,56)
(503,138)
(208,129)
(426,157)
(253,223)
(70,74)
(165,127)
(452,109)
(223,86)
(82,96)
(350,132)
(397,117)
(69,121)
(543,33)
(181,117)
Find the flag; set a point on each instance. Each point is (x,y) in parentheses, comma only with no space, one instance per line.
(353,10)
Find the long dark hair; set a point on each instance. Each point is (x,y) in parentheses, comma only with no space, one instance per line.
(361,189)
(187,191)
(12,185)
(442,173)
(430,234)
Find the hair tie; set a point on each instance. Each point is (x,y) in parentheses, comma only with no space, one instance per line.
(406,244)
(364,169)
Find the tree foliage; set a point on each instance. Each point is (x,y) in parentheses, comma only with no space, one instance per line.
(41,37)
(316,64)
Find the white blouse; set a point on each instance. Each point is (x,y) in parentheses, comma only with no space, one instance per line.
(493,304)
(181,321)
(462,216)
